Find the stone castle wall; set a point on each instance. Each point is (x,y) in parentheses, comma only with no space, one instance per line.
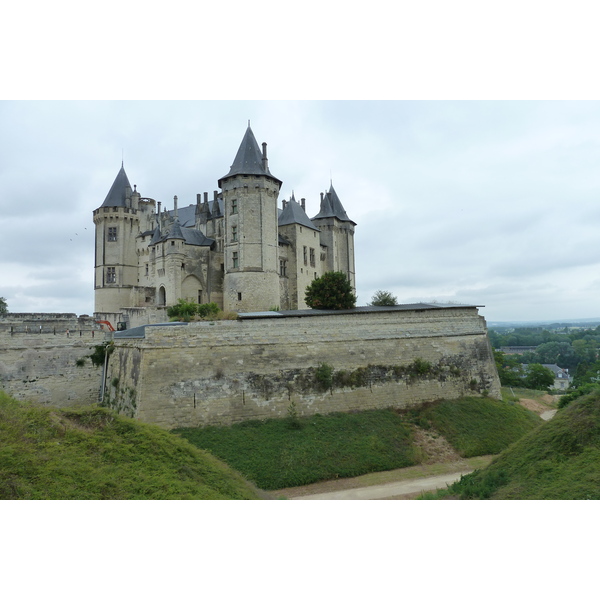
(223,372)
(39,354)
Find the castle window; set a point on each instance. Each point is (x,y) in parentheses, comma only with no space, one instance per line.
(234,207)
(283,268)
(111,275)
(112,234)
(146,269)
(312,257)
(305,256)
(234,237)
(239,296)
(236,260)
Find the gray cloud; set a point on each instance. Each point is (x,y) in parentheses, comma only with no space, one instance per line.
(485,202)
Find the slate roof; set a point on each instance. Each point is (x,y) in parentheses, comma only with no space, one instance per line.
(192,237)
(249,159)
(331,206)
(314,312)
(118,192)
(293,213)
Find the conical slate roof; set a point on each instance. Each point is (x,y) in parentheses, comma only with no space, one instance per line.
(249,159)
(293,213)
(118,192)
(174,232)
(332,207)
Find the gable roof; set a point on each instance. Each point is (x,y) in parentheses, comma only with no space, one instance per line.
(118,192)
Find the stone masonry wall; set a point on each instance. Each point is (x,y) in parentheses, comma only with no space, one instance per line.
(39,354)
(223,372)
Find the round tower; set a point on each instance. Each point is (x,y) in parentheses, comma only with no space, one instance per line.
(115,265)
(251,238)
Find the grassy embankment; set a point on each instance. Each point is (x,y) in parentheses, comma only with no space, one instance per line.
(93,454)
(560,460)
(281,453)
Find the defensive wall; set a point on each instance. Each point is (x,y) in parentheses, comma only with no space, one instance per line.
(44,358)
(268,365)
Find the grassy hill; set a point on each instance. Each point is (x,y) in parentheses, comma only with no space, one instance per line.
(281,453)
(93,454)
(560,460)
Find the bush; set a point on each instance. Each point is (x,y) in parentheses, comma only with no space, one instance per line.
(186,310)
(331,291)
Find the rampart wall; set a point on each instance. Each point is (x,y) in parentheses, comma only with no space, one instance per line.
(39,354)
(223,372)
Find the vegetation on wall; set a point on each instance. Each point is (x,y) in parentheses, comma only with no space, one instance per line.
(3,307)
(331,291)
(93,454)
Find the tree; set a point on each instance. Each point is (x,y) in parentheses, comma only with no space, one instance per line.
(3,307)
(383,298)
(331,291)
(539,377)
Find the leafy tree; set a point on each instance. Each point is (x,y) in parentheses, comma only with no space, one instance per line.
(510,371)
(383,298)
(331,291)
(3,307)
(539,377)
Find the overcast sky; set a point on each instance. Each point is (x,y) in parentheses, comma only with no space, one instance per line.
(490,203)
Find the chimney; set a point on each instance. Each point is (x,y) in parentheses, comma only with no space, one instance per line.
(303,204)
(215,194)
(175,206)
(198,198)
(205,197)
(284,203)
(265,162)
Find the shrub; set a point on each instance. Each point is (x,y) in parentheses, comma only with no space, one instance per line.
(324,376)
(331,291)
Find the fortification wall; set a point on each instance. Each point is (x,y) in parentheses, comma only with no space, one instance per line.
(227,371)
(39,354)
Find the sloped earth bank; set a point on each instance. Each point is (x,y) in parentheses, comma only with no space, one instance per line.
(439,459)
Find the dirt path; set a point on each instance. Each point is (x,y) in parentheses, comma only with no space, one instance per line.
(399,490)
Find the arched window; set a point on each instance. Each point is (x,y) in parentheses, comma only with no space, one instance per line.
(162,296)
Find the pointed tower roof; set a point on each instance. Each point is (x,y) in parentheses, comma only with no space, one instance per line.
(249,160)
(332,207)
(175,232)
(118,192)
(293,213)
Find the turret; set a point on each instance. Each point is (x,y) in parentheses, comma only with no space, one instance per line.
(250,191)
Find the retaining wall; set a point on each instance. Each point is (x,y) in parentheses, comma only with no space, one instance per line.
(223,372)
(39,354)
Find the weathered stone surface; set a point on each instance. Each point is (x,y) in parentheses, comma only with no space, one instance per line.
(228,371)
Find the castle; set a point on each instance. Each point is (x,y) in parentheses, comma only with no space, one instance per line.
(238,249)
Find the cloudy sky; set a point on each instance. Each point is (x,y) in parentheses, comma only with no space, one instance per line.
(494,203)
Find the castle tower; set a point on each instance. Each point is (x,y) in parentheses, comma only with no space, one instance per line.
(116,266)
(337,233)
(251,276)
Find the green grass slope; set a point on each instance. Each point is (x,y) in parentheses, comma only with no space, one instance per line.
(92,454)
(281,453)
(478,426)
(559,460)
